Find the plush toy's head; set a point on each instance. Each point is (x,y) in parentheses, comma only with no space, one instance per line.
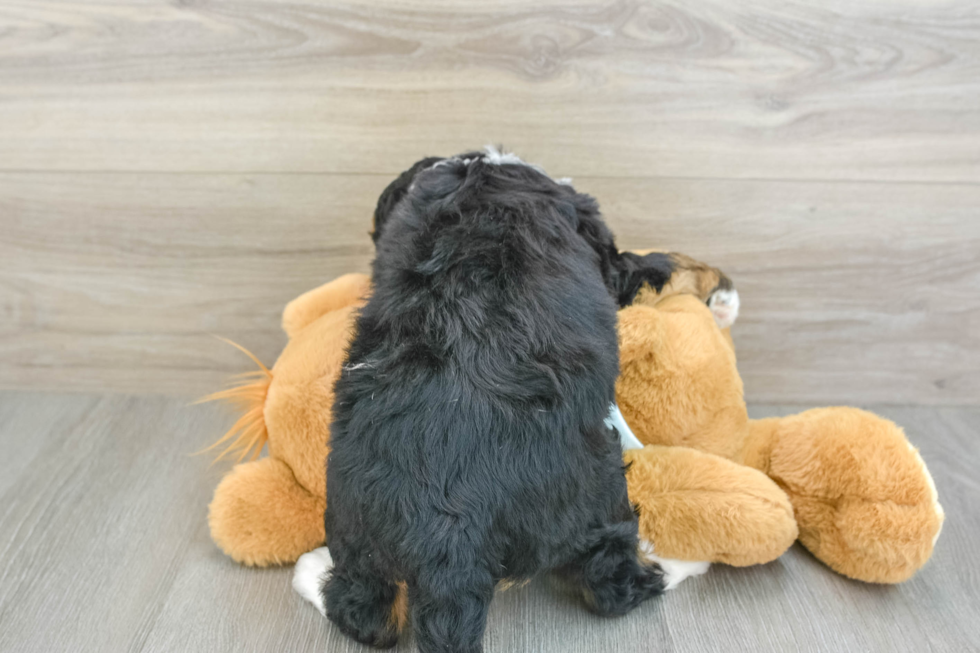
(678,381)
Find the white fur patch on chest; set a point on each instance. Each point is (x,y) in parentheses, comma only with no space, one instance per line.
(615,420)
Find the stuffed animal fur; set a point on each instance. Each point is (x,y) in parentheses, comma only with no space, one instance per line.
(863,500)
(711,485)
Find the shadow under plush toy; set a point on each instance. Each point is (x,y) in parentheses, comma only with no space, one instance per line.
(711,485)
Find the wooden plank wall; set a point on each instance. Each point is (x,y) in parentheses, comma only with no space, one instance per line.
(170,170)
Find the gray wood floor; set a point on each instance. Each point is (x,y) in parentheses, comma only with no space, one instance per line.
(104,547)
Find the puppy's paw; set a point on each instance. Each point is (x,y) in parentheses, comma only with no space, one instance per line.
(724,306)
(674,570)
(310,574)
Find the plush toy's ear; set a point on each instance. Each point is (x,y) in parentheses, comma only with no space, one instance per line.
(331,296)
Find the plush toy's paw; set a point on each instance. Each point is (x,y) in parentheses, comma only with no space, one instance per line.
(261,516)
(864,500)
(309,575)
(675,571)
(724,305)
(701,507)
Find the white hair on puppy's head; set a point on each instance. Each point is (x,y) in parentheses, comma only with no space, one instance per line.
(495,156)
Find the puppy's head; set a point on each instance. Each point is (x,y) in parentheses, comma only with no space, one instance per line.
(444,187)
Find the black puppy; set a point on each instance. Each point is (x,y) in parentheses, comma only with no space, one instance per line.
(468,444)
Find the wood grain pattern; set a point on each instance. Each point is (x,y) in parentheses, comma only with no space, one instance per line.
(852,292)
(768,89)
(173,169)
(104,547)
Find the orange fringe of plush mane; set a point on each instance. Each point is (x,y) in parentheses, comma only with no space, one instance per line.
(249,433)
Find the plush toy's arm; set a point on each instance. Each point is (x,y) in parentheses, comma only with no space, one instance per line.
(698,506)
(339,293)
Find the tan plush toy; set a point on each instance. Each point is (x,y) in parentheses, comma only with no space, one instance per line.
(863,499)
(711,485)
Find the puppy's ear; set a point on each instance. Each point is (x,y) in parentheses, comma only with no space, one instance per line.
(633,271)
(624,272)
(594,231)
(673,273)
(394,194)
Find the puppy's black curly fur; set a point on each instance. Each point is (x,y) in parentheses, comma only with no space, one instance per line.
(468,443)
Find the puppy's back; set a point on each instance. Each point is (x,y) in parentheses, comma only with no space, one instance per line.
(483,364)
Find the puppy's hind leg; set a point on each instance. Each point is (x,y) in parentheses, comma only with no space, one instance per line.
(363,603)
(612,579)
(449,608)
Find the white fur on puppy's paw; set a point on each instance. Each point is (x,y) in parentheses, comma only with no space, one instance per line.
(674,570)
(724,306)
(309,575)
